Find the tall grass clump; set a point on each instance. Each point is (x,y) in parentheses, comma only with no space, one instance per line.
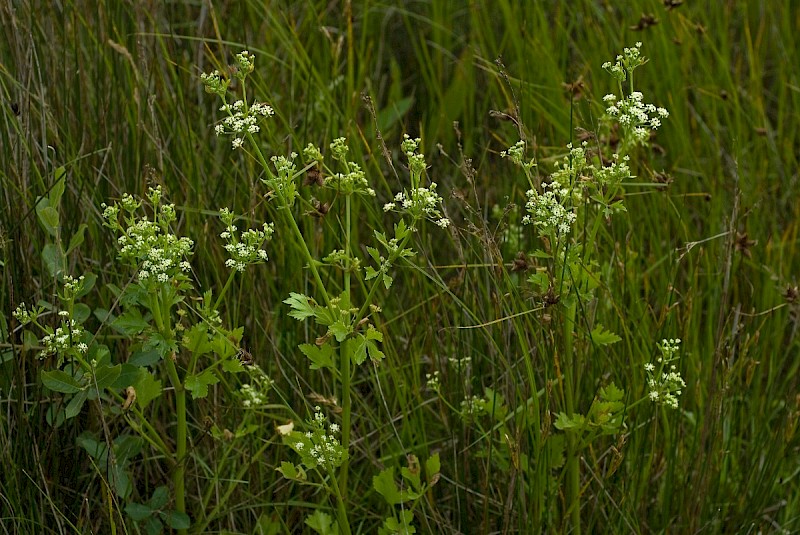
(383,268)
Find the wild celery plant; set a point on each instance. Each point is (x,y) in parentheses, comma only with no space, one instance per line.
(348,337)
(165,329)
(585,190)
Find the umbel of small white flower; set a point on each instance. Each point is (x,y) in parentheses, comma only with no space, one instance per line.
(516,154)
(634,115)
(69,337)
(432,381)
(319,445)
(473,407)
(64,339)
(254,395)
(25,316)
(636,118)
(72,287)
(243,118)
(353,180)
(626,62)
(546,210)
(664,381)
(150,246)
(246,249)
(281,184)
(418,202)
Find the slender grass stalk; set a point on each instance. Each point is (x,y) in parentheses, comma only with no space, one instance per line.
(573,453)
(344,371)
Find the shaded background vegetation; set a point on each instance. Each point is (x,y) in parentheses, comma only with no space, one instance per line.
(110,91)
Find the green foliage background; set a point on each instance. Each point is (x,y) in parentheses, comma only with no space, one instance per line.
(110,91)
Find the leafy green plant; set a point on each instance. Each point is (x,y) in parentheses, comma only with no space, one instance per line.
(349,337)
(152,515)
(105,100)
(166,329)
(412,489)
(567,210)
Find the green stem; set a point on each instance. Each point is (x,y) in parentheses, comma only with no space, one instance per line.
(309,260)
(344,367)
(341,510)
(143,427)
(225,288)
(179,477)
(293,224)
(573,454)
(163,302)
(179,473)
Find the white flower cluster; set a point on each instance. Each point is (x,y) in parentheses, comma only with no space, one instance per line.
(634,115)
(150,245)
(282,184)
(63,339)
(159,255)
(246,249)
(433,381)
(242,120)
(353,181)
(516,153)
(25,316)
(73,286)
(615,173)
(665,384)
(626,62)
(319,446)
(416,161)
(459,363)
(473,407)
(215,83)
(546,210)
(246,63)
(312,153)
(339,149)
(253,397)
(419,203)
(573,165)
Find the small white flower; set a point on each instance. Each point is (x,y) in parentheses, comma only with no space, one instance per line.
(237,142)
